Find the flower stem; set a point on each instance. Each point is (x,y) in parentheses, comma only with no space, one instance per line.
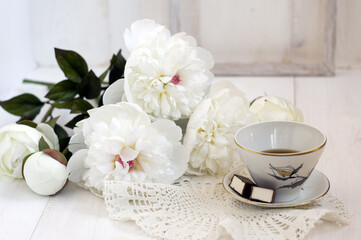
(48,84)
(66,151)
(48,113)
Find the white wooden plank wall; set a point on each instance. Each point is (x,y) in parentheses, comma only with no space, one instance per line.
(123,12)
(79,25)
(15,47)
(92,28)
(263,31)
(292,37)
(235,31)
(307,31)
(348,49)
(259,31)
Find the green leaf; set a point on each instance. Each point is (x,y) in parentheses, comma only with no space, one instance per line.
(100,102)
(64,105)
(90,86)
(27,106)
(117,65)
(72,64)
(60,132)
(43,144)
(71,124)
(62,91)
(62,136)
(63,143)
(68,155)
(81,106)
(104,74)
(28,123)
(24,160)
(76,106)
(53,121)
(118,60)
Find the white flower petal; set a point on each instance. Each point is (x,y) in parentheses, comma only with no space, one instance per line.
(114,93)
(168,129)
(213,120)
(17,141)
(76,166)
(206,56)
(49,134)
(76,142)
(28,133)
(167,76)
(220,86)
(271,108)
(128,154)
(180,159)
(139,30)
(122,144)
(107,112)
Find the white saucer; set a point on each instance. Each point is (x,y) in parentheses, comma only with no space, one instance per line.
(316,186)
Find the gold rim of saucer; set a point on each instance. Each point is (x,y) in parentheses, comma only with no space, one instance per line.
(272,204)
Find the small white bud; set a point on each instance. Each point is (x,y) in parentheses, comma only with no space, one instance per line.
(44,174)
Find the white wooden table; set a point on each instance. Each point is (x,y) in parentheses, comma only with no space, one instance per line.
(332,104)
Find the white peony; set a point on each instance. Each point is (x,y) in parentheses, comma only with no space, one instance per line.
(17,141)
(167,76)
(271,108)
(119,142)
(45,172)
(211,128)
(139,30)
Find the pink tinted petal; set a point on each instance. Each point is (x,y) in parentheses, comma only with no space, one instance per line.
(119,160)
(175,79)
(131,163)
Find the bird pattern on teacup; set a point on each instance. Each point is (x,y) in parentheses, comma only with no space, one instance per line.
(287,173)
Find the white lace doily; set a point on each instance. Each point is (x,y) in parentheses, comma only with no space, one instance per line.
(199,208)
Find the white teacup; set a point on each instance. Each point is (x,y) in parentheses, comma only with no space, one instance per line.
(280,155)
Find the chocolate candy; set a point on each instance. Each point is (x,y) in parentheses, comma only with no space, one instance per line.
(261,194)
(241,185)
(248,189)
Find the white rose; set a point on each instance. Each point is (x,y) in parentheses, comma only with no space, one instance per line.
(119,142)
(271,108)
(44,174)
(167,76)
(211,128)
(17,141)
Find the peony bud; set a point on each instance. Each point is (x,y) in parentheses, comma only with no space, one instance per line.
(45,172)
(271,108)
